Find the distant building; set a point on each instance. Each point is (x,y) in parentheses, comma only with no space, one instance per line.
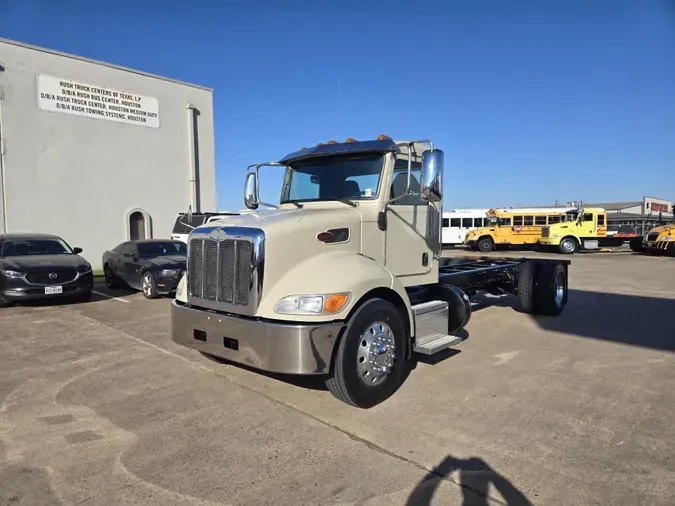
(97,153)
(647,206)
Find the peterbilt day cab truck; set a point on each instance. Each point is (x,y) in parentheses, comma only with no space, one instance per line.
(344,277)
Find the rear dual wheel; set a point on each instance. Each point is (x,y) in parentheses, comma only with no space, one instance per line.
(542,288)
(370,362)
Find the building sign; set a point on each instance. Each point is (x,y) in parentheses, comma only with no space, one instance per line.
(656,206)
(73,97)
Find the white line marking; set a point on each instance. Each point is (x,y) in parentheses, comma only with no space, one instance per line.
(109,296)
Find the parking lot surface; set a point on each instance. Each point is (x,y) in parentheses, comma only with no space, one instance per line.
(98,406)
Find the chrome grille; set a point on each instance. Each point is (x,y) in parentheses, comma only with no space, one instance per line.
(220,271)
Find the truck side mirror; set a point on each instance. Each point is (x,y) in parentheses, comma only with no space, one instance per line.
(432,176)
(251,191)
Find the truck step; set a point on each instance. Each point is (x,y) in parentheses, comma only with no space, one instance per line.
(431,327)
(438,343)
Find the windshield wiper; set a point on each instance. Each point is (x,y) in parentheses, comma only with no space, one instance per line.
(344,200)
(294,202)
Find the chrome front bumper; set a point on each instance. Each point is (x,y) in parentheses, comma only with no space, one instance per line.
(274,347)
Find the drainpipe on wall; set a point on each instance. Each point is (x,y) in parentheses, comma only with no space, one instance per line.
(194,200)
(3,192)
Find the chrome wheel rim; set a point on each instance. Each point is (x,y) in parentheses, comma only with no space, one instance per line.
(146,285)
(559,289)
(568,246)
(376,354)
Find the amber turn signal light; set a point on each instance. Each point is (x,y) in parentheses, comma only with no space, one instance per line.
(335,302)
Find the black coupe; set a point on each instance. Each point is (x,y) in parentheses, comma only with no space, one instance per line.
(39,266)
(153,266)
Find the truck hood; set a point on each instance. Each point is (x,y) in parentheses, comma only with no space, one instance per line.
(291,234)
(670,229)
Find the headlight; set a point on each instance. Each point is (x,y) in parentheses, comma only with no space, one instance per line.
(13,274)
(181,286)
(668,238)
(555,236)
(169,272)
(83,269)
(311,304)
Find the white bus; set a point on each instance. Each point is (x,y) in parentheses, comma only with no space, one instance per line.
(457,222)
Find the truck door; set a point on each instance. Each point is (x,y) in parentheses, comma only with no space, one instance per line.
(589,225)
(409,248)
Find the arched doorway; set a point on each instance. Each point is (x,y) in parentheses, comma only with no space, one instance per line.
(138,225)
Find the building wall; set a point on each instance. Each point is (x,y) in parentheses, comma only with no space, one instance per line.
(80,177)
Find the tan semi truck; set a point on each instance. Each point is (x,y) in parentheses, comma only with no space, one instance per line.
(343,278)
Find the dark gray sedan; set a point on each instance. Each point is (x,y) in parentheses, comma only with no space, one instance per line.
(42,266)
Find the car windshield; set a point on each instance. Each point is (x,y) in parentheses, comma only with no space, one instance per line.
(26,247)
(354,177)
(160,249)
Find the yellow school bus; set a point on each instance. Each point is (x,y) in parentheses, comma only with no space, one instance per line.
(515,227)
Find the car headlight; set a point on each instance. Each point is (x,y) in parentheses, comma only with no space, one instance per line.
(311,304)
(13,274)
(165,273)
(83,269)
(181,286)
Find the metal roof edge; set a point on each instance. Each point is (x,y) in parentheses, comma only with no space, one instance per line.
(105,64)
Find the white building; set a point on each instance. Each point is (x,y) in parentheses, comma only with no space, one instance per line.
(96,153)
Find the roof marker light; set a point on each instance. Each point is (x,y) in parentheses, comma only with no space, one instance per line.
(383,137)
(349,140)
(332,142)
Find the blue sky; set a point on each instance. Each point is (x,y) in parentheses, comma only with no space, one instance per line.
(531,101)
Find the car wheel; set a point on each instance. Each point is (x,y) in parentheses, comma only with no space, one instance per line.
(148,286)
(370,361)
(110,279)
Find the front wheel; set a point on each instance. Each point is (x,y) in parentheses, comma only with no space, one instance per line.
(486,244)
(370,362)
(568,246)
(148,286)
(110,279)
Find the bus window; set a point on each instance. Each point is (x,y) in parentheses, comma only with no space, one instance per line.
(505,222)
(467,222)
(455,222)
(553,219)
(529,221)
(478,222)
(517,220)
(446,222)
(540,220)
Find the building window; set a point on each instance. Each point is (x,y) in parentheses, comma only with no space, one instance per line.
(138,225)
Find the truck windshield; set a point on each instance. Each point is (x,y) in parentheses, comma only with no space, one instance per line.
(355,177)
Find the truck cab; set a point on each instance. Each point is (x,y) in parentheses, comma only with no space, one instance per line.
(584,229)
(343,276)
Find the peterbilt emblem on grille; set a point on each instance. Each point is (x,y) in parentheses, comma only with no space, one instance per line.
(53,275)
(218,235)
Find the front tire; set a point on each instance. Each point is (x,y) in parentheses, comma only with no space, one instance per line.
(110,279)
(148,286)
(370,362)
(568,246)
(486,244)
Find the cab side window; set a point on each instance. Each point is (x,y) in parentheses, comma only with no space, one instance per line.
(400,181)
(588,216)
(601,219)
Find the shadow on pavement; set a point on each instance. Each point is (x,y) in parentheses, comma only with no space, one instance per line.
(475,478)
(626,319)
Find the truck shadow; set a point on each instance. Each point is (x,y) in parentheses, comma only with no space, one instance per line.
(475,478)
(627,319)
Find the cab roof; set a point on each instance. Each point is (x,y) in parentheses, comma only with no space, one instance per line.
(374,146)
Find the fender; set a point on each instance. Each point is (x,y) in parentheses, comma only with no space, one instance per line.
(331,272)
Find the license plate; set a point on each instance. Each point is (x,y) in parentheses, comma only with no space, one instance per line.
(49,290)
